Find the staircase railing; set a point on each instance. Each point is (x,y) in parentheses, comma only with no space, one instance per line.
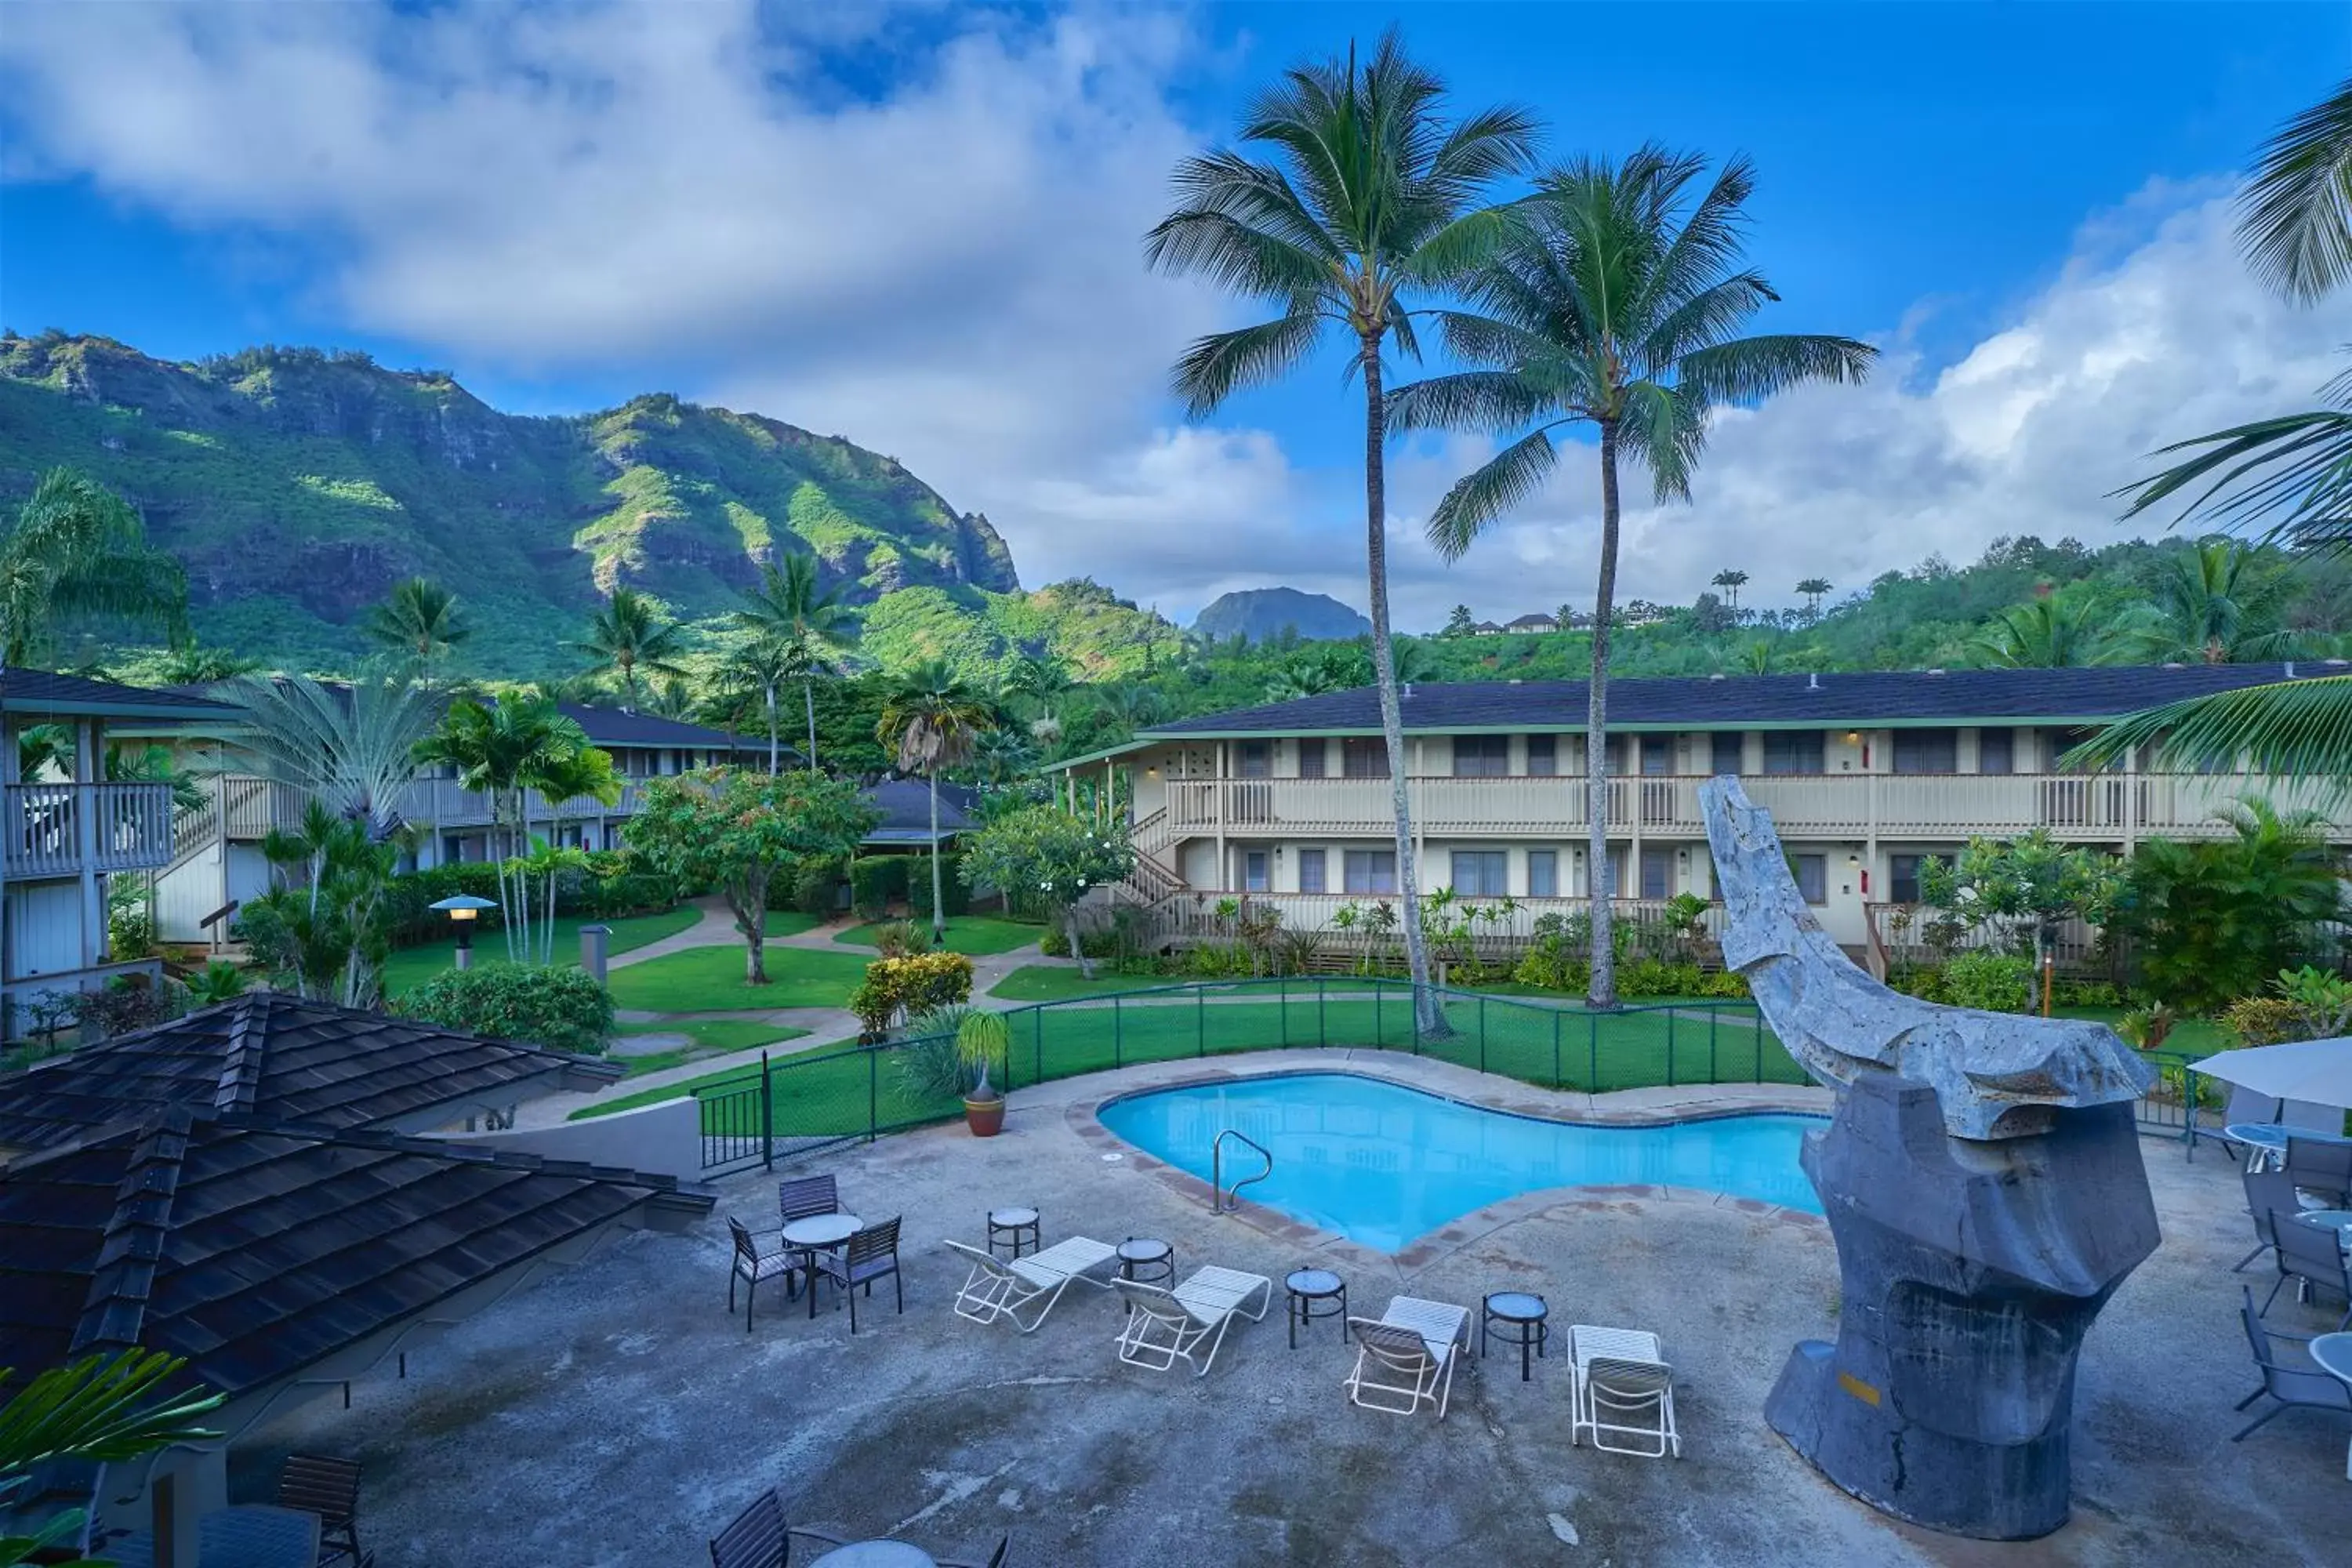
(1218,1195)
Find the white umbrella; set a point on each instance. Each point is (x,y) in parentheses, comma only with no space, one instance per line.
(2318,1072)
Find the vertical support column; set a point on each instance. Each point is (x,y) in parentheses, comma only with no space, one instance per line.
(87,772)
(1223,786)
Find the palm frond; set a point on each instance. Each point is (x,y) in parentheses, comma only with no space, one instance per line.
(1494,400)
(1665,427)
(2296,469)
(2295,216)
(2291,728)
(109,1408)
(1218,365)
(1748,370)
(1480,498)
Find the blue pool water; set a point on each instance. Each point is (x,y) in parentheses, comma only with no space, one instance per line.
(1382,1164)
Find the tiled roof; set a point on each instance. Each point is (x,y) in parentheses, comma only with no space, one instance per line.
(1879,697)
(905,807)
(619,727)
(278,1057)
(44,691)
(256,1250)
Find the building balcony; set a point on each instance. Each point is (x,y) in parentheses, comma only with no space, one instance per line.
(66,829)
(2078,807)
(440,803)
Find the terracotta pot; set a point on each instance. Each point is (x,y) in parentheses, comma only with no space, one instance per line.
(984,1117)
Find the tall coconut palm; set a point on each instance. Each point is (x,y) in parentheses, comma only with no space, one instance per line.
(2053,632)
(792,609)
(632,637)
(2213,604)
(1731,581)
(933,719)
(421,620)
(76,548)
(764,666)
(1616,302)
(1813,588)
(1371,195)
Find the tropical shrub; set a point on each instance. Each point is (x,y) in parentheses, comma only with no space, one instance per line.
(896,939)
(931,1063)
(2323,1002)
(898,988)
(875,881)
(1058,857)
(216,982)
(1989,982)
(2264,1020)
(2147,1028)
(130,920)
(2023,888)
(125,1002)
(562,1008)
(815,889)
(2208,922)
(984,1038)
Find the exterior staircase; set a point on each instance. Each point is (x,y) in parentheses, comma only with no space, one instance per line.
(198,880)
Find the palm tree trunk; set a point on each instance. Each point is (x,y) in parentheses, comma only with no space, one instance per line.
(1600,886)
(1429,1016)
(939,926)
(808,696)
(1078,948)
(773,768)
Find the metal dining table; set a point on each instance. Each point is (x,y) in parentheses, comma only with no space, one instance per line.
(2332,1354)
(245,1537)
(876,1554)
(2268,1140)
(819,1232)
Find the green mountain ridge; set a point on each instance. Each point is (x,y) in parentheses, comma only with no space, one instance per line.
(297,486)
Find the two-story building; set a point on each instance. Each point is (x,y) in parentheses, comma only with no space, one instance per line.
(67,832)
(1868,776)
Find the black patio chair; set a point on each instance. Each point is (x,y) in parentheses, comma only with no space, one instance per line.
(807,1198)
(752,1264)
(761,1539)
(2267,1192)
(2295,1386)
(2310,1255)
(871,1254)
(2322,1167)
(995,1559)
(313,1483)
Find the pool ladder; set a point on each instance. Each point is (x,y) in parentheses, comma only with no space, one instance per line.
(1218,1193)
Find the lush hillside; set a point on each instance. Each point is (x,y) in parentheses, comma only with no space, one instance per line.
(1259,613)
(1098,635)
(299,486)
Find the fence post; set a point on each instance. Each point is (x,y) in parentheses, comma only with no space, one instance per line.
(1592,1042)
(1482,1036)
(1759,1046)
(1282,1005)
(1555,1049)
(767,1117)
(873,1090)
(1713,1013)
(1200,1020)
(1322,1015)
(1670,1046)
(1037,1045)
(1117,1033)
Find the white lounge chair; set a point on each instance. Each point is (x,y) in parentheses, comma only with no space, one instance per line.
(1162,1325)
(1007,1287)
(1406,1357)
(1624,1387)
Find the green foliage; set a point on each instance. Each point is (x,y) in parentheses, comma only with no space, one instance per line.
(982,1039)
(216,982)
(1048,859)
(2024,886)
(77,550)
(897,988)
(875,881)
(2264,1021)
(130,919)
(928,1064)
(2210,920)
(896,939)
(110,1409)
(562,1008)
(815,888)
(1989,982)
(2323,1002)
(2146,1029)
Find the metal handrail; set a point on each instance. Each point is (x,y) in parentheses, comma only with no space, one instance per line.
(1217,1194)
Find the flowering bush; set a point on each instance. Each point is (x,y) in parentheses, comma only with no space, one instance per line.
(1044,857)
(897,988)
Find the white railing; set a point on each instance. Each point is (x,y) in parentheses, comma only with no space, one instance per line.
(1509,923)
(1921,933)
(441,802)
(62,829)
(2101,807)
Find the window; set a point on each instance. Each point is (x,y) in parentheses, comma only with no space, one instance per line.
(1657,755)
(1482,873)
(1612,755)
(1543,873)
(1726,749)
(2062,741)
(1793,752)
(1256,760)
(1311,871)
(1813,877)
(1310,757)
(1364,757)
(1543,755)
(1658,873)
(1482,756)
(1926,751)
(1995,750)
(1369,872)
(1903,879)
(1254,873)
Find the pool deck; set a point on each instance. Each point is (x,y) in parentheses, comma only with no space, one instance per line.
(615,1415)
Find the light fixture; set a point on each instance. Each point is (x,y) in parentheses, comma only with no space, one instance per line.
(1853,737)
(464,910)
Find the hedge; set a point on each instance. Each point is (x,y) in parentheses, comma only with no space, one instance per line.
(562,1008)
(873,881)
(614,884)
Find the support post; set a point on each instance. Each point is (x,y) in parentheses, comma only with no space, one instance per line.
(594,945)
(767,1116)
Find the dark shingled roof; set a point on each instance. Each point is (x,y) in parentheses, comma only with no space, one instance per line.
(256,1249)
(1878,697)
(619,727)
(278,1057)
(42,692)
(905,807)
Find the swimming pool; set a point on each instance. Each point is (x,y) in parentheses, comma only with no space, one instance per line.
(1381,1164)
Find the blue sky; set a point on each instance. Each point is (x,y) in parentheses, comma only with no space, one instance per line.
(920,229)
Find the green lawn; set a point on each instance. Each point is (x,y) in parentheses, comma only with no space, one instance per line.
(1052,982)
(2190,1038)
(743,1077)
(976,936)
(412,966)
(711,1038)
(710,980)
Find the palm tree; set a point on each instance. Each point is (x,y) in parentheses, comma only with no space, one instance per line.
(189,664)
(1813,588)
(77,548)
(2052,632)
(421,619)
(1371,196)
(1614,303)
(2213,604)
(2295,217)
(1002,756)
(764,665)
(1731,581)
(790,607)
(348,747)
(1040,678)
(632,636)
(933,719)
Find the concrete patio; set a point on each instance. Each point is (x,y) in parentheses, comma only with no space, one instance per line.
(617,1414)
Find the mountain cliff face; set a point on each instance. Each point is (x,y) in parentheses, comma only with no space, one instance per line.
(1258,614)
(299,486)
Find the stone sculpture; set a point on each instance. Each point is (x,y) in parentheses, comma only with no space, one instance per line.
(1982,1178)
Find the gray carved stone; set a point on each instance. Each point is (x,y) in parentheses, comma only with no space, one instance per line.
(1982,1177)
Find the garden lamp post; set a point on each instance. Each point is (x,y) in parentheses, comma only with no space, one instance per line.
(463,910)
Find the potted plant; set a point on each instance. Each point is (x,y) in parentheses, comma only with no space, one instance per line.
(980,1039)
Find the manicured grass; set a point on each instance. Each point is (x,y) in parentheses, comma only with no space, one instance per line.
(2190,1038)
(711,1037)
(975,936)
(1052,982)
(710,980)
(717,1082)
(413,967)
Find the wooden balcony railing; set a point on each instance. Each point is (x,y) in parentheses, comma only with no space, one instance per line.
(63,830)
(1510,927)
(2101,807)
